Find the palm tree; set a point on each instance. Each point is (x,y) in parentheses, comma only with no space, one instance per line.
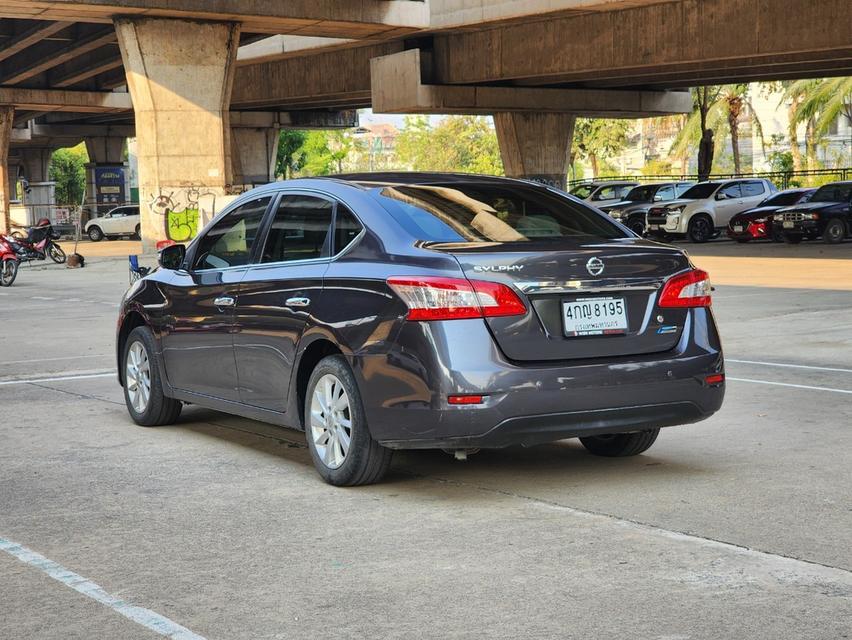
(818,103)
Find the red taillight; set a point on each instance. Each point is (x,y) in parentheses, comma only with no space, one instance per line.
(436,298)
(690,289)
(465,399)
(715,379)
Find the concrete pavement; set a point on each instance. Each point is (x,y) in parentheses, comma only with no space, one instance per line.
(737,527)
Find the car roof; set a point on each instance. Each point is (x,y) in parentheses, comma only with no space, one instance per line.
(380,179)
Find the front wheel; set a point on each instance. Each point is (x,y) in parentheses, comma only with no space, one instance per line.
(700,229)
(8,272)
(620,445)
(636,226)
(95,234)
(143,388)
(342,449)
(137,233)
(834,232)
(56,253)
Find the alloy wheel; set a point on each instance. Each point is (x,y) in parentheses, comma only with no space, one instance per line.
(137,374)
(331,421)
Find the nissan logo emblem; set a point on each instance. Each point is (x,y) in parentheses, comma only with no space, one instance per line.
(595,266)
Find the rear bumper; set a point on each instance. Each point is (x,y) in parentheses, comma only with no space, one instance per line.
(405,391)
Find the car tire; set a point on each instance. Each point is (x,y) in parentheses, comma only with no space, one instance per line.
(701,229)
(835,232)
(332,401)
(637,227)
(792,239)
(95,234)
(777,235)
(621,445)
(140,367)
(137,233)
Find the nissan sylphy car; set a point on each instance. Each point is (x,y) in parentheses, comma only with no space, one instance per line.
(412,311)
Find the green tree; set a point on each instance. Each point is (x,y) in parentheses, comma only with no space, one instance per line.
(598,140)
(466,144)
(817,104)
(68,170)
(326,152)
(291,157)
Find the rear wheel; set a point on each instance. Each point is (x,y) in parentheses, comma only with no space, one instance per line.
(834,232)
(700,229)
(620,445)
(342,449)
(143,389)
(95,234)
(56,253)
(8,272)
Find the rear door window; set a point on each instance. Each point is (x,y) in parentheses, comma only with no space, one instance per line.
(753,188)
(346,228)
(299,230)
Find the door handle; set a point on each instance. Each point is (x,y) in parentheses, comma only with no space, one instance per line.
(224,301)
(298,302)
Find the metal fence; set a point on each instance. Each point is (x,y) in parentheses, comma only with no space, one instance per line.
(781,179)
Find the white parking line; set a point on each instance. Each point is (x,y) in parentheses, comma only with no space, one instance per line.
(145,617)
(104,355)
(87,376)
(789,366)
(787,384)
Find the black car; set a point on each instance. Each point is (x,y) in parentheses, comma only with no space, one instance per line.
(411,311)
(828,215)
(756,223)
(632,210)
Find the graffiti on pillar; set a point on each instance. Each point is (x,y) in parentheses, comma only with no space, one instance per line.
(181,210)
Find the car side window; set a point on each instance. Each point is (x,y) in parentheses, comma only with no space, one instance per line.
(664,193)
(753,188)
(624,190)
(228,243)
(300,229)
(119,213)
(730,191)
(606,193)
(346,228)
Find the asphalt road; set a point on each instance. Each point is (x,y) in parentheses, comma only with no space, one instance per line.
(738,527)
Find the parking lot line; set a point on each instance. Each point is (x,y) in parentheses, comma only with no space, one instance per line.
(87,376)
(787,384)
(27,361)
(789,366)
(145,617)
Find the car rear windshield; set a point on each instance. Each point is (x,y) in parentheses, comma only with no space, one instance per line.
(833,193)
(492,213)
(701,191)
(783,199)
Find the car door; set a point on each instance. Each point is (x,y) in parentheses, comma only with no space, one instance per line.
(277,296)
(130,220)
(111,222)
(197,341)
(728,203)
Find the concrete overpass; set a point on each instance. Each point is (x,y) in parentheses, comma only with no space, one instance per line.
(206,83)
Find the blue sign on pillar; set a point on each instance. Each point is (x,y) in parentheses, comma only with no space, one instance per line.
(110,187)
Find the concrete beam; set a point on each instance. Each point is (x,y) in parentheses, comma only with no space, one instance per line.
(398,88)
(39,32)
(691,40)
(63,55)
(334,79)
(280,47)
(81,130)
(330,18)
(310,119)
(65,100)
(98,65)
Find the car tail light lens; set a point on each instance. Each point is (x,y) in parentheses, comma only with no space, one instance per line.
(714,380)
(435,298)
(690,289)
(465,400)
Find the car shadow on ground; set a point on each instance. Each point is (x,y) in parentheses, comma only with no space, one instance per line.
(563,464)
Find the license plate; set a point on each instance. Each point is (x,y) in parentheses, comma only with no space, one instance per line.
(738,229)
(654,227)
(594,317)
(788,224)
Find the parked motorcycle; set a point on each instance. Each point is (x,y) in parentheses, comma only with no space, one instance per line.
(39,244)
(9,262)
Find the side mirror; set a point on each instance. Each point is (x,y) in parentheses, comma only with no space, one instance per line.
(721,196)
(172,257)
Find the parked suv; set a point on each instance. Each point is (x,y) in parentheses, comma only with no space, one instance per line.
(632,210)
(599,194)
(121,221)
(705,209)
(416,311)
(828,215)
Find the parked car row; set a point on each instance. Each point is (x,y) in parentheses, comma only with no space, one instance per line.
(745,209)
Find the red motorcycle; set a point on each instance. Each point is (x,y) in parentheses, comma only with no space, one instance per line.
(9,262)
(39,243)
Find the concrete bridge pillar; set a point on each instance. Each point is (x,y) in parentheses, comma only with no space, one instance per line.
(179,74)
(536,146)
(107,174)
(35,163)
(7,116)
(254,147)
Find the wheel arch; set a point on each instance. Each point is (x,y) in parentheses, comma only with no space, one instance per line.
(319,348)
(131,321)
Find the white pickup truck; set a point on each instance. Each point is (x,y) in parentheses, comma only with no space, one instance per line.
(121,221)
